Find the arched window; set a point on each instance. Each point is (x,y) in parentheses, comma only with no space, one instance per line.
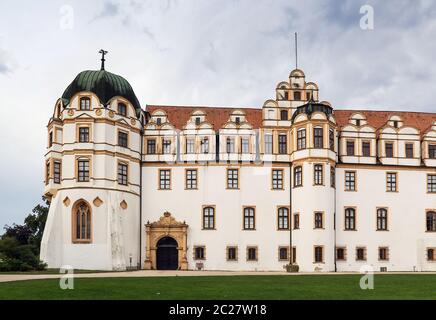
(82,223)
(209,218)
(122,109)
(382,219)
(283,218)
(249,222)
(431,221)
(350,219)
(85,103)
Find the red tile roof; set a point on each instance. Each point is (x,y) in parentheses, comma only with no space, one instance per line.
(218,116)
(378,119)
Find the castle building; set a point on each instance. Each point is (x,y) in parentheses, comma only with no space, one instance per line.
(218,188)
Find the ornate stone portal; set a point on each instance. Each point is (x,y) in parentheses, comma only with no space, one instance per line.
(167,226)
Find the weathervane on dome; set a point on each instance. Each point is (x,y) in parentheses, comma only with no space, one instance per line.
(103,53)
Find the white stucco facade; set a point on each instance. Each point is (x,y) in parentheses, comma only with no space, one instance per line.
(121,180)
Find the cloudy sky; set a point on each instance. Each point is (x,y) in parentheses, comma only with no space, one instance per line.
(203,52)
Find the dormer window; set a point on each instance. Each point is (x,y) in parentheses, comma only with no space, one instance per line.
(308,96)
(395,123)
(85,103)
(122,109)
(297,95)
(358,122)
(238,120)
(284,115)
(197,121)
(158,121)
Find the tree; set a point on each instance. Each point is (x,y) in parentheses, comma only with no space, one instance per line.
(20,244)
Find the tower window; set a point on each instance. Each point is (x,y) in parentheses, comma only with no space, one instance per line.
(122,174)
(301,139)
(298,176)
(284,115)
(57,172)
(283,144)
(297,95)
(82,222)
(83,170)
(332,140)
(84,134)
(332,177)
(318,174)
(318,223)
(85,103)
(122,139)
(318,138)
(122,109)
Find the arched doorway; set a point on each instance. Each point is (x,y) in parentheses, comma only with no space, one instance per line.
(167,255)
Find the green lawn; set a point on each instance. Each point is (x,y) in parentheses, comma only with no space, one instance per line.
(422,286)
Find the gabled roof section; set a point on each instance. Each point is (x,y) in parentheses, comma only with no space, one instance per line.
(378,119)
(217,116)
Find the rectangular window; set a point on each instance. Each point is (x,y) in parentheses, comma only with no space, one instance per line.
(251,253)
(122,174)
(190,145)
(151,146)
(296,221)
(350,147)
(209,218)
(318,138)
(230,145)
(389,150)
(232,253)
(284,115)
(432,151)
(191,179)
(360,254)
(85,103)
(294,255)
(350,219)
(430,254)
(301,139)
(318,175)
(298,176)
(282,144)
(283,253)
(164,179)
(232,178)
(249,218)
(199,253)
(57,172)
(383,253)
(245,145)
(268,143)
(350,181)
(318,220)
(84,134)
(283,218)
(83,170)
(431,183)
(122,109)
(123,139)
(341,254)
(366,149)
(47,172)
(391,181)
(50,139)
(319,256)
(332,177)
(277,179)
(166,146)
(204,145)
(332,140)
(409,150)
(382,219)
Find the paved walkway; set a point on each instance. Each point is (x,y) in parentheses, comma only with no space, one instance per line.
(156,273)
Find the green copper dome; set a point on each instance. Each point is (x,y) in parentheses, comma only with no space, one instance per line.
(104,84)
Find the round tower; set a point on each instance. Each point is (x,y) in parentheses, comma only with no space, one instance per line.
(92,175)
(313,161)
